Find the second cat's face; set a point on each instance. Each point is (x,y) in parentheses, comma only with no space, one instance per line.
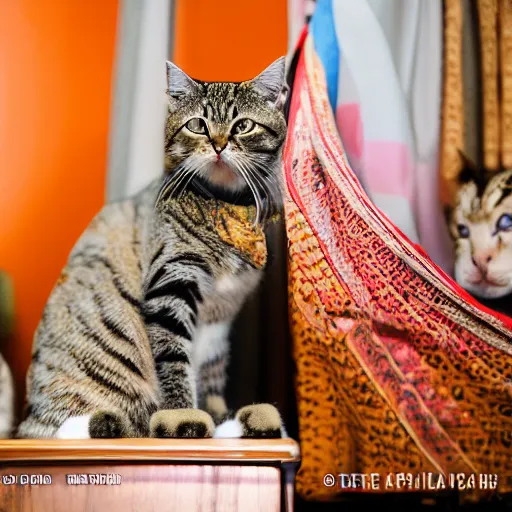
(481,225)
(227,137)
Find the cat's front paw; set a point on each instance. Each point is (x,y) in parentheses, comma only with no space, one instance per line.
(260,421)
(109,425)
(176,423)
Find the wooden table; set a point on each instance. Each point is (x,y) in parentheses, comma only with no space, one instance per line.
(147,475)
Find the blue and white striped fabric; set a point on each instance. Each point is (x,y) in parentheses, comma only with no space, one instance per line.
(383,68)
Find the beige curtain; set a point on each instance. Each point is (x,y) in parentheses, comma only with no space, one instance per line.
(477,102)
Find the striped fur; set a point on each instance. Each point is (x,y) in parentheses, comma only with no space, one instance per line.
(134,337)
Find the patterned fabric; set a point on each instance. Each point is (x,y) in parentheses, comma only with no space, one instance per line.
(398,368)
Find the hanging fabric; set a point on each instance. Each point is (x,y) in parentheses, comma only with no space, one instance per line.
(398,368)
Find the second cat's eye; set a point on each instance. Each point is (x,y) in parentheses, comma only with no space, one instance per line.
(243,126)
(197,125)
(463,230)
(504,222)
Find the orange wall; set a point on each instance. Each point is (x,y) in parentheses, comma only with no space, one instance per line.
(229,39)
(56,62)
(55,77)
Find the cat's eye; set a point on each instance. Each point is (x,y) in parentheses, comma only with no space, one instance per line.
(463,230)
(504,222)
(243,126)
(197,125)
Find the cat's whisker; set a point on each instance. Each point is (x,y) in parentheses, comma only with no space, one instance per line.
(237,164)
(266,188)
(170,181)
(163,188)
(254,175)
(192,175)
(183,175)
(254,190)
(275,184)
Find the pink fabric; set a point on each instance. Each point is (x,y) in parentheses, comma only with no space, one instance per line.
(350,126)
(389,168)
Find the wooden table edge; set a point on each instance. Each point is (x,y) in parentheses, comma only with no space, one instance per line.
(171,450)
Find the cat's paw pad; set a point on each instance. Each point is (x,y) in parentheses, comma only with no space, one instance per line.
(260,421)
(189,423)
(109,425)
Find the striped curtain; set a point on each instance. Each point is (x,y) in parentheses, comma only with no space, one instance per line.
(383,62)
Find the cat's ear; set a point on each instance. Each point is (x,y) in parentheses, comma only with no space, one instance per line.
(448,212)
(469,171)
(272,83)
(179,84)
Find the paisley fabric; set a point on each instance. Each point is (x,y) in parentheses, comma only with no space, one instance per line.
(398,369)
(235,226)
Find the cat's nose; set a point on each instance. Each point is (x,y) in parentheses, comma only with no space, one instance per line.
(483,258)
(219,145)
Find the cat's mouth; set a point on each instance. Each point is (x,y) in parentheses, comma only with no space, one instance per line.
(488,289)
(222,174)
(485,281)
(483,285)
(232,179)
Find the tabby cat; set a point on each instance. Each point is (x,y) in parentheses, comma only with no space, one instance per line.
(133,341)
(481,226)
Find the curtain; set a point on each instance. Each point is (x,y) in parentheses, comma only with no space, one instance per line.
(139,101)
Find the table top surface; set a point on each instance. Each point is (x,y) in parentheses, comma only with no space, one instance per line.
(205,450)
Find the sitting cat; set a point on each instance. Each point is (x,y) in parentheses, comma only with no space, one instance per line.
(134,338)
(481,226)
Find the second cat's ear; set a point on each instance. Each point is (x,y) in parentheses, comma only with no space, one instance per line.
(465,159)
(271,83)
(448,212)
(469,171)
(179,84)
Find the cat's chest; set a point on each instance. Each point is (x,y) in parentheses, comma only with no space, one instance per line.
(227,294)
(229,284)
